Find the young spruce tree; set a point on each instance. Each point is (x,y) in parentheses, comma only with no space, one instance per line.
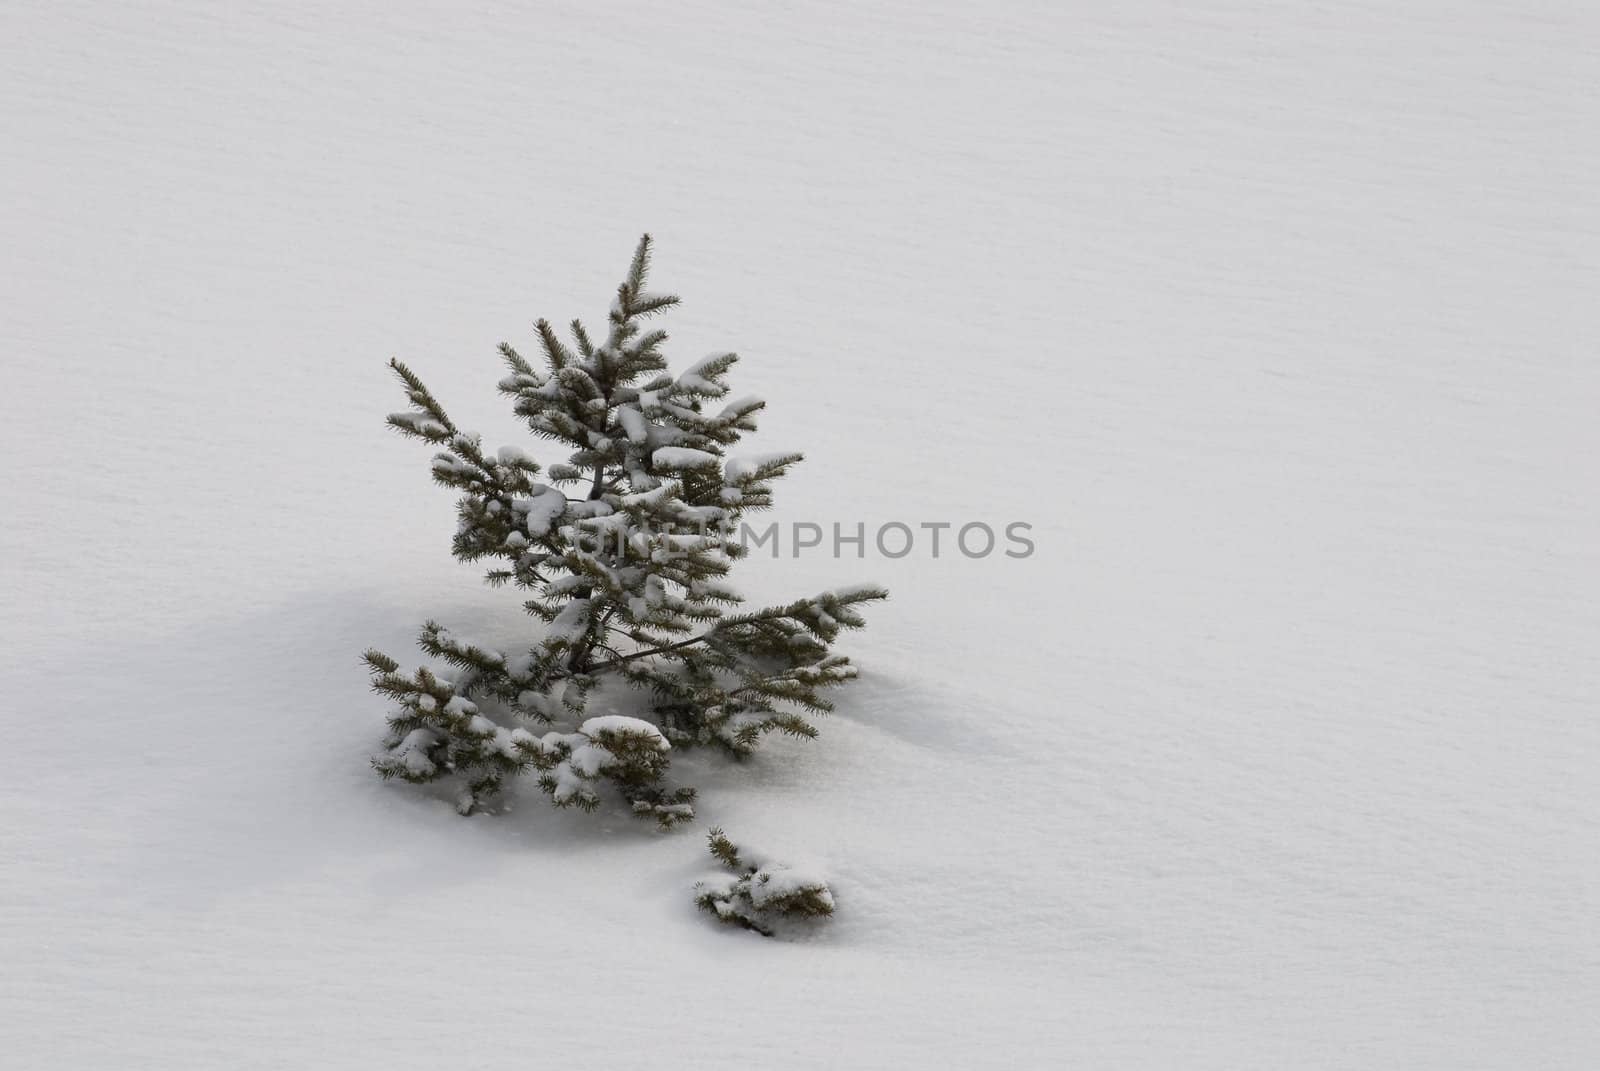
(622,551)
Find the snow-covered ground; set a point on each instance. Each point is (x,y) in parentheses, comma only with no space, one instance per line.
(1277,322)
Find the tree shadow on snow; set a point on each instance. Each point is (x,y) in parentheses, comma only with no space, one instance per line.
(259,735)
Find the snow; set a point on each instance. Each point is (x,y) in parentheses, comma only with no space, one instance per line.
(570,784)
(697,377)
(419,422)
(716,589)
(738,405)
(469,645)
(744,466)
(413,750)
(775,881)
(513,456)
(621,723)
(633,423)
(588,760)
(1276,322)
(846,592)
(543,510)
(682,457)
(570,623)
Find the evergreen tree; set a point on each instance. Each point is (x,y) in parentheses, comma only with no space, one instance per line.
(622,551)
(757,891)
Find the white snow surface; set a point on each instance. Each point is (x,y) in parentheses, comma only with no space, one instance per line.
(1276,321)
